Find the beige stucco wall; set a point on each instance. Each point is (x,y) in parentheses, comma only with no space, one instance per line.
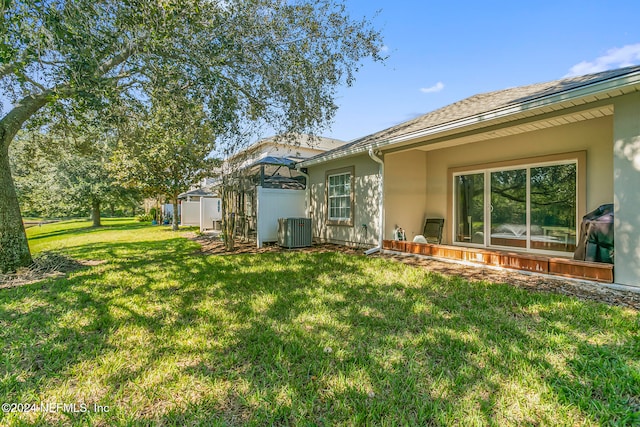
(626,150)
(411,195)
(405,195)
(366,192)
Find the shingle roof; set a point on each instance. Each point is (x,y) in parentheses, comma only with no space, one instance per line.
(478,104)
(198,192)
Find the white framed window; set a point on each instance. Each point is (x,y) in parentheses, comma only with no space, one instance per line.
(340,197)
(530,206)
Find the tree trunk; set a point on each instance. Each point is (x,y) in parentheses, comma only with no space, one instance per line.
(95,213)
(14,247)
(174,222)
(228,219)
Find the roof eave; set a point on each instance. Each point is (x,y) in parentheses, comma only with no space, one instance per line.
(339,155)
(588,90)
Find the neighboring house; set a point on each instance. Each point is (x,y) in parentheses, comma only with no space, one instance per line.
(199,206)
(512,170)
(295,148)
(195,194)
(265,183)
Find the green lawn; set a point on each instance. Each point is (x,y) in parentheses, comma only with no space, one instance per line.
(161,335)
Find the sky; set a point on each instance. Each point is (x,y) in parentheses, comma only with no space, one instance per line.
(440,52)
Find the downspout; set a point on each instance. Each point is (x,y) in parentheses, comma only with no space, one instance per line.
(380,203)
(307,192)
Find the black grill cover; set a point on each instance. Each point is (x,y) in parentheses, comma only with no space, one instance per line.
(596,236)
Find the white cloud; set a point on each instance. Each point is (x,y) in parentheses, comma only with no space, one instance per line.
(614,58)
(384,48)
(435,88)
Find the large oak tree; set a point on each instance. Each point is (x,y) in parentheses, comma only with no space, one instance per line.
(277,61)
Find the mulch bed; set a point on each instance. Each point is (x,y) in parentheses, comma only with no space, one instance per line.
(533,282)
(214,246)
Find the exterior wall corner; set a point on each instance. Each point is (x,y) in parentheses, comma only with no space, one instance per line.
(626,177)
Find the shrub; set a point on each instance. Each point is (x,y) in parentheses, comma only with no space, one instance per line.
(144,218)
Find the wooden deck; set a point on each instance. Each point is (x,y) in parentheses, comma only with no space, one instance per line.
(516,260)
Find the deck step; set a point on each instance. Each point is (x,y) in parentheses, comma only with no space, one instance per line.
(565,267)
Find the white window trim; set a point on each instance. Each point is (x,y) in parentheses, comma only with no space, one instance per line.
(346,196)
(340,221)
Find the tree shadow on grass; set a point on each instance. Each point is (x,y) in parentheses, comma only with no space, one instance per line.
(336,371)
(289,338)
(88,229)
(603,380)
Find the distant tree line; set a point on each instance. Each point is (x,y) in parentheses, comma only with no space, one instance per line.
(73,182)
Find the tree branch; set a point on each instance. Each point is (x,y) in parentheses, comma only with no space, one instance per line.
(115,61)
(30,80)
(30,104)
(6,69)
(25,108)
(245,92)
(50,63)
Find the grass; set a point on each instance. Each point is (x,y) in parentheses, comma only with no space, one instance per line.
(161,335)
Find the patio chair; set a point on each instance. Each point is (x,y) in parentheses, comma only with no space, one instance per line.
(433,230)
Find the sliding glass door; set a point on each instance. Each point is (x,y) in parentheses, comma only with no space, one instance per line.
(509,208)
(469,195)
(553,207)
(530,207)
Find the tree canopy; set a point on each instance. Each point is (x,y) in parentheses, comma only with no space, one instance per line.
(56,177)
(276,62)
(166,148)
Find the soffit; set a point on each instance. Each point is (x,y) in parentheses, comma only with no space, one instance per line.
(498,131)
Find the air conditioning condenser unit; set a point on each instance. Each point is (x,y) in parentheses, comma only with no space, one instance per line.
(294,232)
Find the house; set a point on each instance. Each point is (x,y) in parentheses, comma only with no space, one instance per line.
(265,184)
(199,207)
(196,193)
(296,147)
(511,172)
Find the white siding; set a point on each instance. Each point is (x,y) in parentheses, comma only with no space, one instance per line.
(275,203)
(190,213)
